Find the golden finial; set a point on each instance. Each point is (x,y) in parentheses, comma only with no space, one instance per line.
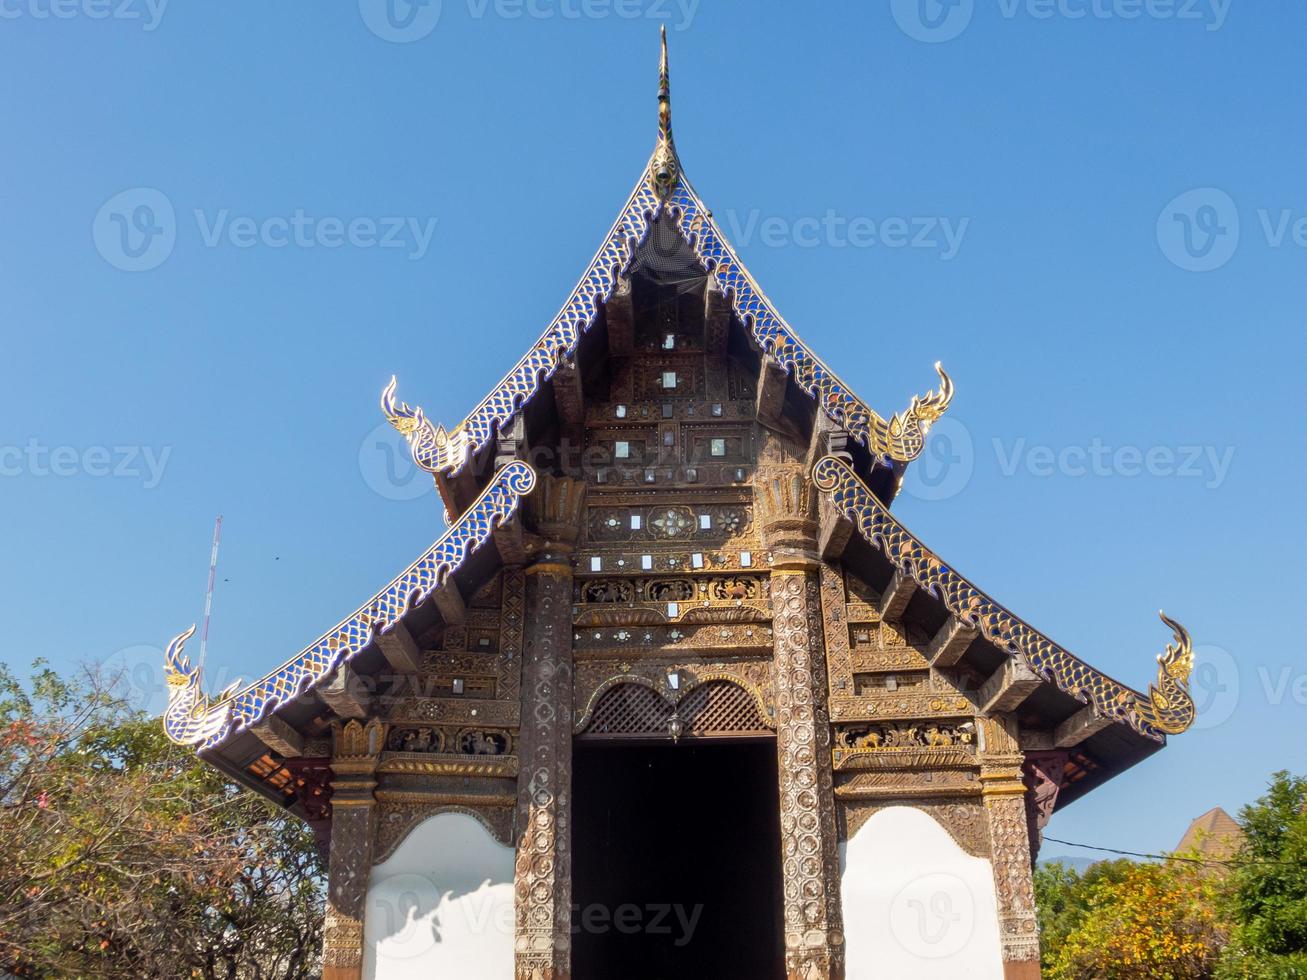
(665,168)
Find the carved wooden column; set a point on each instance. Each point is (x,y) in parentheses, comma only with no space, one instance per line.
(1004,793)
(814,936)
(543,873)
(354,764)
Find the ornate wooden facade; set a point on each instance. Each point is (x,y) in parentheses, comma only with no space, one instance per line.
(672,521)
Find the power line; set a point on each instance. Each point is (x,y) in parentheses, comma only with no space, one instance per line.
(1171,857)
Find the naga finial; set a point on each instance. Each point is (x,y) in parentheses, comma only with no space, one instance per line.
(665,167)
(907,430)
(1169,708)
(191,718)
(426,441)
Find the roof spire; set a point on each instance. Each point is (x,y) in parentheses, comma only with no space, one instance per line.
(665,168)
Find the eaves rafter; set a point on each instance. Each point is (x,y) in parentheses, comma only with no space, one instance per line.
(1167,708)
(193,718)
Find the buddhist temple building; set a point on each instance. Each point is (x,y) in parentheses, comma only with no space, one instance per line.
(676,693)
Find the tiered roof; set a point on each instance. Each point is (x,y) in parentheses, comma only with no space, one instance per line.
(664,192)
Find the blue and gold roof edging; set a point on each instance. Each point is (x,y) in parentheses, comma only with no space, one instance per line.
(900,439)
(1167,708)
(192,718)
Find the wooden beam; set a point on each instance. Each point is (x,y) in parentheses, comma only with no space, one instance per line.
(828,439)
(400,649)
(346,693)
(449,601)
(569,395)
(894,600)
(772,378)
(716,320)
(510,541)
(458,492)
(279,737)
(834,530)
(621,320)
(1008,687)
(1084,724)
(949,645)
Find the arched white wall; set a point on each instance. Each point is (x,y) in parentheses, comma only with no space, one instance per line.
(915,904)
(441,906)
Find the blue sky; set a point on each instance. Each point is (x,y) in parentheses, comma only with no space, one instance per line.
(1003,185)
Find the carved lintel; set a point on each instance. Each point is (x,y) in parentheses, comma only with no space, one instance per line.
(772,379)
(279,736)
(400,649)
(1085,723)
(894,600)
(449,601)
(621,320)
(949,645)
(346,693)
(1008,687)
(834,530)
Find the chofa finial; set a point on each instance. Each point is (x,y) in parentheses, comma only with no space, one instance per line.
(665,168)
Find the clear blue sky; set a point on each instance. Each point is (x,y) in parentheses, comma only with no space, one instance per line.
(1068,313)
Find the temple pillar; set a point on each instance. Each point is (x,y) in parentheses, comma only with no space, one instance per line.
(813,925)
(1004,794)
(543,870)
(355,754)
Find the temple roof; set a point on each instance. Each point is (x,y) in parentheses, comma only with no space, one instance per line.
(1127,723)
(664,190)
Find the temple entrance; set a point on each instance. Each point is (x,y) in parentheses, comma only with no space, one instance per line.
(676,856)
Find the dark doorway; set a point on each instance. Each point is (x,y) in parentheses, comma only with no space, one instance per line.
(675,861)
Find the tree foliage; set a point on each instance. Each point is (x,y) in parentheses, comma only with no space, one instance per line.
(1121,920)
(122,855)
(1268,889)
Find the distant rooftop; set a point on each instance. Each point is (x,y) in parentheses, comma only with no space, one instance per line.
(1215,835)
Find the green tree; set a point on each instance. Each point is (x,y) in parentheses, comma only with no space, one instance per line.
(1123,920)
(122,855)
(1268,889)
